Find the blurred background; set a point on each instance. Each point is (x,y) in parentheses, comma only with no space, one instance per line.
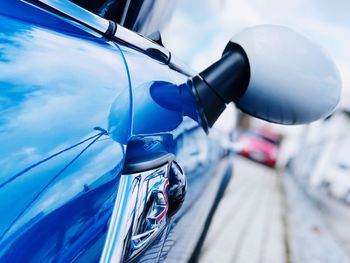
(289,200)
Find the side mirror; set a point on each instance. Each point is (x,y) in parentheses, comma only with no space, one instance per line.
(272,73)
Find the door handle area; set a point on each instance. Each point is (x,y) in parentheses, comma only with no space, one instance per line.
(145,202)
(151,212)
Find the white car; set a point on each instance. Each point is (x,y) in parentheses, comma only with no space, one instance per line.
(337,181)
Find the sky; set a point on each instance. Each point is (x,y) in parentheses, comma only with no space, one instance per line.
(200,29)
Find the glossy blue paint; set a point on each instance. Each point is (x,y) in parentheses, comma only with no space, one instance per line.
(30,13)
(156,117)
(73,106)
(166,102)
(165,119)
(59,174)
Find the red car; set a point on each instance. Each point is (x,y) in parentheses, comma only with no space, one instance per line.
(259,146)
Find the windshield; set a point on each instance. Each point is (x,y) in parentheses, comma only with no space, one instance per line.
(109,9)
(258,135)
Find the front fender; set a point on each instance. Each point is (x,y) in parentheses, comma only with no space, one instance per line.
(59,167)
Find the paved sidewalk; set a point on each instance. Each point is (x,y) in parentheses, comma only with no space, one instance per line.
(248,225)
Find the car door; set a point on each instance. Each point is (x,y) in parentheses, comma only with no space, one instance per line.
(162,126)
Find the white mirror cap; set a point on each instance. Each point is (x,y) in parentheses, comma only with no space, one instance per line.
(292,80)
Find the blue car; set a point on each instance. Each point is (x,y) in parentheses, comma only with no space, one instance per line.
(104,153)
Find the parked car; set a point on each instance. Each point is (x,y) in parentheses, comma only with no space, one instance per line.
(337,183)
(322,163)
(103,130)
(336,173)
(261,147)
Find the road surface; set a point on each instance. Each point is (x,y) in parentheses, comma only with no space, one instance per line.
(248,225)
(266,216)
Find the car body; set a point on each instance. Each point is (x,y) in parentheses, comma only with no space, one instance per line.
(103,130)
(86,123)
(259,146)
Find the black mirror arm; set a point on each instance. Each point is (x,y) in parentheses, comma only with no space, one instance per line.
(223,82)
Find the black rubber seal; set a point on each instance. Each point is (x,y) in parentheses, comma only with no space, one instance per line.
(111,30)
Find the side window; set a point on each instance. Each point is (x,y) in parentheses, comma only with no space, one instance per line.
(109,9)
